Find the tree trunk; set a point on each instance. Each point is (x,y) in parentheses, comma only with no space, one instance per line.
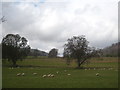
(68,61)
(14,63)
(79,63)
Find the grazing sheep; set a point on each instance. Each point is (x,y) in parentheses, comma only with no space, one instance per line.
(18,74)
(57,72)
(52,75)
(12,68)
(23,74)
(49,75)
(97,74)
(110,68)
(68,74)
(44,76)
(103,68)
(34,73)
(65,70)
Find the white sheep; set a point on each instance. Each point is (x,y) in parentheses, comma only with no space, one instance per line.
(12,68)
(23,74)
(68,74)
(49,75)
(110,68)
(34,73)
(18,74)
(52,75)
(57,72)
(65,70)
(97,74)
(18,67)
(44,76)
(103,68)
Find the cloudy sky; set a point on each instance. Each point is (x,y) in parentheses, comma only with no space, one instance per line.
(48,24)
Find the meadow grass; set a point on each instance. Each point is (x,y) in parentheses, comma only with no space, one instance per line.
(79,78)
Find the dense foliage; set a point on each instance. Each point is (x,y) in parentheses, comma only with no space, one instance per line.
(53,53)
(14,48)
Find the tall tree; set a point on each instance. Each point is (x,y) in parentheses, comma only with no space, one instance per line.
(14,47)
(77,48)
(53,53)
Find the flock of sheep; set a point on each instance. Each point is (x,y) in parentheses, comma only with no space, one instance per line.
(52,75)
(49,75)
(100,69)
(44,76)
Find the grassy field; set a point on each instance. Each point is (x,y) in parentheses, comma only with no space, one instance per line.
(79,78)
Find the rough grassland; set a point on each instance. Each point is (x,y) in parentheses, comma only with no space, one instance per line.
(79,78)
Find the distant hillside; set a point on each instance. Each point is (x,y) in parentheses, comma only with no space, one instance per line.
(36,52)
(113,50)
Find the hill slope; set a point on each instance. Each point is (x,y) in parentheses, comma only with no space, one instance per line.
(113,50)
(36,52)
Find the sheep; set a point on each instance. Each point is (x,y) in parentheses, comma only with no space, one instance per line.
(52,75)
(68,74)
(44,76)
(34,73)
(49,75)
(110,68)
(57,72)
(23,74)
(97,74)
(18,74)
(18,67)
(12,68)
(65,70)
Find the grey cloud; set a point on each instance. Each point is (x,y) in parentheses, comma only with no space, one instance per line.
(49,25)
(83,9)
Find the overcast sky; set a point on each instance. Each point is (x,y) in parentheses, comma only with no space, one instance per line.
(48,24)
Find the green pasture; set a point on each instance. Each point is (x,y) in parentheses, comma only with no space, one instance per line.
(79,78)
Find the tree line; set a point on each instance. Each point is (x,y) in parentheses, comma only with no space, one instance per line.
(112,51)
(15,47)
